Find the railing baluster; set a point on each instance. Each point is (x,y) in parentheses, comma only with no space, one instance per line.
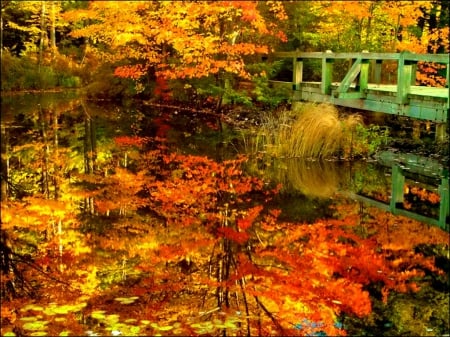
(327,73)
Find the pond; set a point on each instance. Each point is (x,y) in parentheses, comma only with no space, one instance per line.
(132,219)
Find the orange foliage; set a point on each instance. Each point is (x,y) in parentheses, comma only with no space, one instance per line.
(206,232)
(181,39)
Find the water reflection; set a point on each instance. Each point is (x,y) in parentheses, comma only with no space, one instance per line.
(403,184)
(183,238)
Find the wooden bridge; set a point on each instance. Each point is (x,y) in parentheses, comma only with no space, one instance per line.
(362,88)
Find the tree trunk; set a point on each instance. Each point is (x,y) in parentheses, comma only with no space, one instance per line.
(45,164)
(53,28)
(43,33)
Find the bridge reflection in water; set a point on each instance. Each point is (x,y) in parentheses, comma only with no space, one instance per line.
(411,170)
(402,184)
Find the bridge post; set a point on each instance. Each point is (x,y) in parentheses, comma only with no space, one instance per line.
(377,71)
(404,78)
(298,73)
(398,182)
(364,73)
(327,74)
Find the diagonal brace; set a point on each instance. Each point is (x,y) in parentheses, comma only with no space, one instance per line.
(350,76)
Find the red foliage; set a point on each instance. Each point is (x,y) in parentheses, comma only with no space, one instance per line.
(162,89)
(233,235)
(125,141)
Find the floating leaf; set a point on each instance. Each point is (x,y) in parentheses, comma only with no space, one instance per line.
(63,309)
(165,328)
(38,333)
(113,318)
(64,333)
(29,319)
(98,314)
(32,307)
(38,325)
(126,300)
(230,325)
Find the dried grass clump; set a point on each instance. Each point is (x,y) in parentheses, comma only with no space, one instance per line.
(310,131)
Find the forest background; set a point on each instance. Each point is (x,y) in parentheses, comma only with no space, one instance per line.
(207,51)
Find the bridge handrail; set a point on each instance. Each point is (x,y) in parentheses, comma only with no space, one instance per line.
(407,56)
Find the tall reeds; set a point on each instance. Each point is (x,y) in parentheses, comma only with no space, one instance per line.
(310,131)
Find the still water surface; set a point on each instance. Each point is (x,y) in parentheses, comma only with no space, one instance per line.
(399,195)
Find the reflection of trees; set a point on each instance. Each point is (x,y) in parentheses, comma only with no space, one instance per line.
(4,177)
(90,154)
(190,238)
(34,166)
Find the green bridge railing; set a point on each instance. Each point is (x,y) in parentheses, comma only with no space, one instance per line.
(362,86)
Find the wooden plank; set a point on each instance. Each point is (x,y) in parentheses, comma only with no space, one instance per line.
(350,77)
(377,74)
(438,58)
(350,95)
(319,55)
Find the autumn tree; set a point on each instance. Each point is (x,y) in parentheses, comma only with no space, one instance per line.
(181,40)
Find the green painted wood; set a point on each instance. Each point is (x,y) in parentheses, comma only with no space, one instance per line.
(364,75)
(404,74)
(438,58)
(378,64)
(351,95)
(327,74)
(403,98)
(350,77)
